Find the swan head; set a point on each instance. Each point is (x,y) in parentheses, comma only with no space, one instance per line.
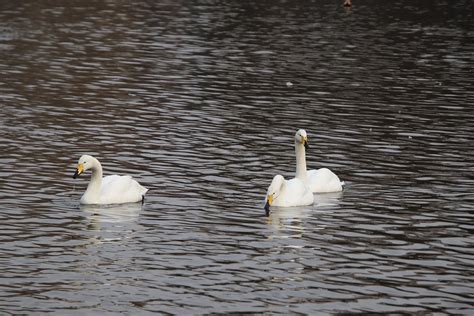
(84,163)
(301,138)
(273,191)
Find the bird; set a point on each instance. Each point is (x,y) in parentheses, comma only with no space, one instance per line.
(296,191)
(319,180)
(287,193)
(113,189)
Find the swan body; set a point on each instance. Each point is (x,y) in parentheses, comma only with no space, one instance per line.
(287,193)
(324,181)
(294,192)
(321,180)
(108,190)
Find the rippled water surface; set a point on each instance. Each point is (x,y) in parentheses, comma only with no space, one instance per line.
(199,101)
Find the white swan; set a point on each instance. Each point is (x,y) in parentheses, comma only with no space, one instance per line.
(108,190)
(288,193)
(294,192)
(320,180)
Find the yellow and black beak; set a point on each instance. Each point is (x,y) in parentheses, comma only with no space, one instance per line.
(304,140)
(79,170)
(268,203)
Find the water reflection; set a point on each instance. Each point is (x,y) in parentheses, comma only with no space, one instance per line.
(113,214)
(292,222)
(329,200)
(288,221)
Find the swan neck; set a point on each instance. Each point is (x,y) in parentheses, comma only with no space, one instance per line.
(301,162)
(93,189)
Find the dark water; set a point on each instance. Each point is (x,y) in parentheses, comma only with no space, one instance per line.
(191,98)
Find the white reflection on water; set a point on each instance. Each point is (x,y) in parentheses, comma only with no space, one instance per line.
(116,213)
(328,200)
(287,221)
(290,221)
(113,223)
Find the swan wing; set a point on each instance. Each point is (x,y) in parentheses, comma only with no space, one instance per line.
(121,189)
(324,180)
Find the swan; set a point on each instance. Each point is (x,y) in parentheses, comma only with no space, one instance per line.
(296,191)
(288,193)
(108,190)
(320,180)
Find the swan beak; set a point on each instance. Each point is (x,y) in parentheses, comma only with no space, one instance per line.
(267,208)
(267,205)
(79,170)
(305,142)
